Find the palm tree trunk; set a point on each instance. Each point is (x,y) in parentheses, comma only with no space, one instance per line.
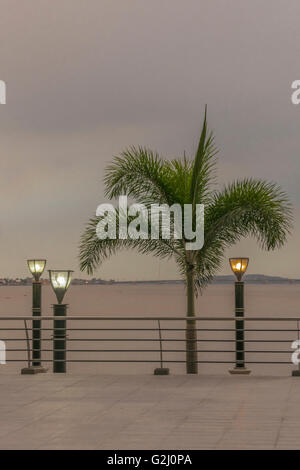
(191,331)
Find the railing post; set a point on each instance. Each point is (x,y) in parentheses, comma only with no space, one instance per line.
(161,370)
(239,331)
(27,343)
(59,338)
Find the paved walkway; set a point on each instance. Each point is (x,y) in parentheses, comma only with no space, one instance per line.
(149,412)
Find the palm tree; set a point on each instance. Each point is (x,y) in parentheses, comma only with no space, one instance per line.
(245,207)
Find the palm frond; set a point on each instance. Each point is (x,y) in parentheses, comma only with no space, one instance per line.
(139,173)
(198,160)
(203,173)
(94,251)
(250,207)
(179,179)
(244,208)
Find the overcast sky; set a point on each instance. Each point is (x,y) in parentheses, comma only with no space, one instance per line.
(86,79)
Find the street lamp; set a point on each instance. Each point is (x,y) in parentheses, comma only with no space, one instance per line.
(239,266)
(36,267)
(60,281)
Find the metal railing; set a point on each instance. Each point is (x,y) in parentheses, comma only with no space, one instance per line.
(162,333)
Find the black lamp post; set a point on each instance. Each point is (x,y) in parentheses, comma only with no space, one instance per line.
(239,266)
(36,267)
(60,281)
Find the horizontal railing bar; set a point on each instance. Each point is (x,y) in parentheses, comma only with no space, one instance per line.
(153,329)
(242,340)
(146,329)
(107,360)
(163,339)
(101,350)
(108,329)
(104,339)
(95,317)
(149,361)
(154,350)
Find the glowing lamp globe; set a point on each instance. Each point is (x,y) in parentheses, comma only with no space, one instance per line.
(36,267)
(239,266)
(60,281)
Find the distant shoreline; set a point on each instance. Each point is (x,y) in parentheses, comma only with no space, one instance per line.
(249,279)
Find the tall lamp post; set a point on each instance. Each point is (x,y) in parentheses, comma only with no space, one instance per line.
(36,267)
(239,266)
(60,281)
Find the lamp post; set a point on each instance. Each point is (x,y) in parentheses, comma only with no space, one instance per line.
(239,266)
(60,281)
(36,267)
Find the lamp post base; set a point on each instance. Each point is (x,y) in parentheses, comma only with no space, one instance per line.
(161,371)
(31,370)
(239,370)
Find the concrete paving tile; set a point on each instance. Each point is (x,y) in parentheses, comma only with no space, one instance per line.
(136,412)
